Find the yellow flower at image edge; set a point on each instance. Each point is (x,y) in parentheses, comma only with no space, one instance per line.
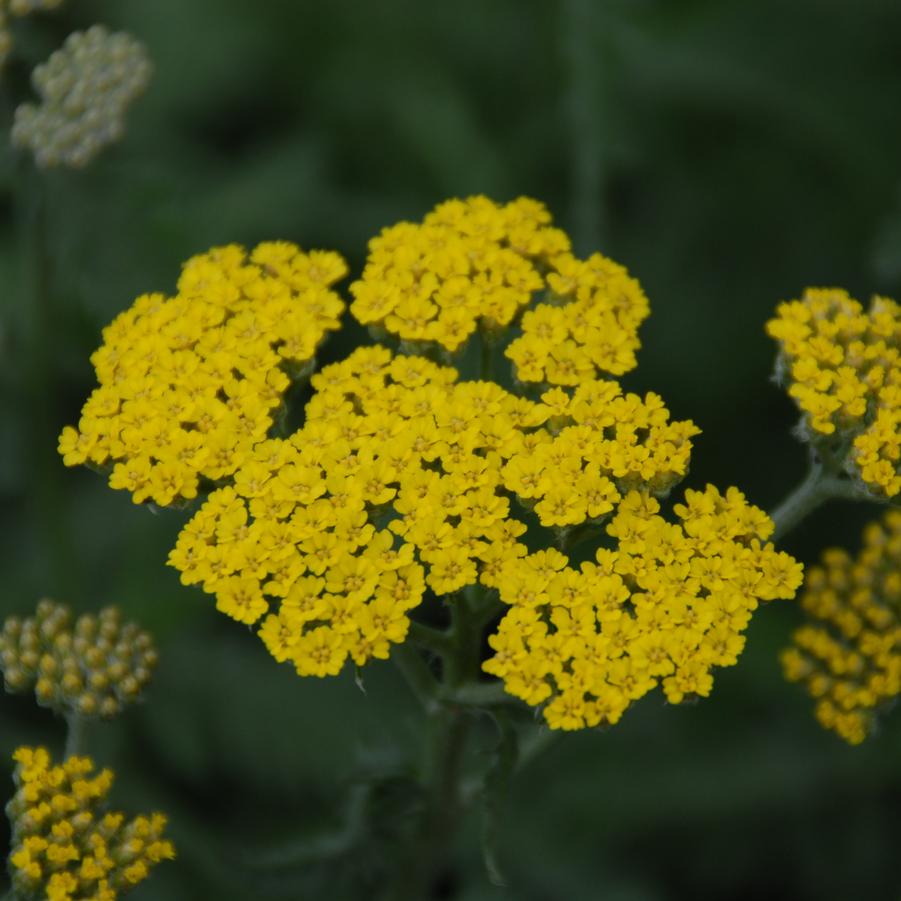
(848,655)
(189,384)
(65,846)
(843,365)
(405,479)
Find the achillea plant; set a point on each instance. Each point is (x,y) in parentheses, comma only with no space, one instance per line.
(65,844)
(85,88)
(848,655)
(430,507)
(844,372)
(189,384)
(94,667)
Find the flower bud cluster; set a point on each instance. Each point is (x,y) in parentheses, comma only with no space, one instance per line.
(474,264)
(85,88)
(843,365)
(190,383)
(64,845)
(94,667)
(848,655)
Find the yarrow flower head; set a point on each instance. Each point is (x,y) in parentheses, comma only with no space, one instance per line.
(404,479)
(474,264)
(843,367)
(65,846)
(85,87)
(189,384)
(848,655)
(94,666)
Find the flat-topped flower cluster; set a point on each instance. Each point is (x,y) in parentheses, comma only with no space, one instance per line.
(843,365)
(407,481)
(476,265)
(189,384)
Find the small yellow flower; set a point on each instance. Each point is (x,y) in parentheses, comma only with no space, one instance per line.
(79,851)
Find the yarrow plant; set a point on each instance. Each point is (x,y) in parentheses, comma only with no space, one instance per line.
(849,654)
(85,88)
(65,845)
(189,384)
(511,537)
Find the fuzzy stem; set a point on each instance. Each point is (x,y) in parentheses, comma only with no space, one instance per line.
(819,486)
(418,676)
(74,735)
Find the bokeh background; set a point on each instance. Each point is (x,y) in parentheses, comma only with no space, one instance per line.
(729,153)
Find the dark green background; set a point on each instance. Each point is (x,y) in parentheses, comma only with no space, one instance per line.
(730,153)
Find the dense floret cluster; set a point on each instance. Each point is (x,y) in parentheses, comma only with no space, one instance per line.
(844,371)
(665,605)
(85,88)
(189,384)
(848,655)
(64,845)
(405,478)
(94,666)
(587,326)
(407,481)
(476,265)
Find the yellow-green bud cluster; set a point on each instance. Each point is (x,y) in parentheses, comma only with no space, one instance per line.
(85,87)
(93,667)
(848,655)
(190,383)
(843,365)
(65,847)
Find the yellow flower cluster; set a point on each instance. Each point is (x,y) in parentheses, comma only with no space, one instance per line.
(94,667)
(404,478)
(64,847)
(844,367)
(667,604)
(188,384)
(588,326)
(469,263)
(474,264)
(849,654)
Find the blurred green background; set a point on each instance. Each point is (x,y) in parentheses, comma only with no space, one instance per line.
(729,153)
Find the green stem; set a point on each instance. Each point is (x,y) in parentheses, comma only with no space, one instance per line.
(418,676)
(443,778)
(40,330)
(430,639)
(486,360)
(584,57)
(74,735)
(482,694)
(819,486)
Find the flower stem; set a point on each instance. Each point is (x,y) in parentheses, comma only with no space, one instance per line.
(418,676)
(74,735)
(820,485)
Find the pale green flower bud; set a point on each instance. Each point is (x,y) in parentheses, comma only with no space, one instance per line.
(85,87)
